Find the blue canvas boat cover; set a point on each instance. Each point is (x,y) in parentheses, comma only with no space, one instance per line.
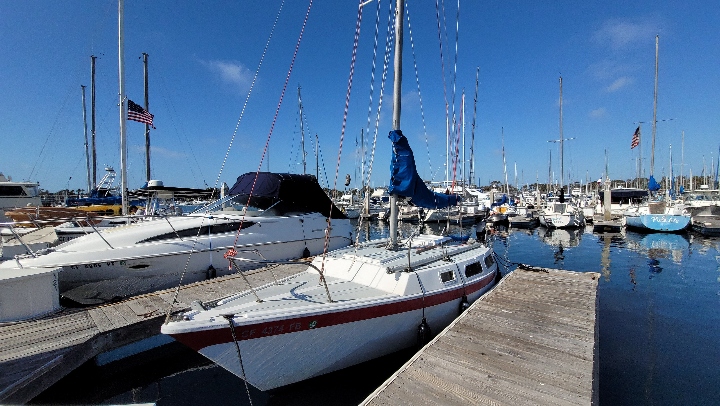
(653,186)
(500,201)
(404,180)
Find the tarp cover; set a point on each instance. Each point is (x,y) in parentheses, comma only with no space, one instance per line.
(289,193)
(500,201)
(653,186)
(404,180)
(89,201)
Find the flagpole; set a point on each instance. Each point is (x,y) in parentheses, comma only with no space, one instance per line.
(123,110)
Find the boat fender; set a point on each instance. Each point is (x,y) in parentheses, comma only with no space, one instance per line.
(423,334)
(306,253)
(498,275)
(464,304)
(210,273)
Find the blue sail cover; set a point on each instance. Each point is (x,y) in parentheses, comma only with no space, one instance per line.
(653,186)
(500,201)
(404,180)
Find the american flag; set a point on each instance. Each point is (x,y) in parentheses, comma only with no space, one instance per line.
(635,139)
(137,113)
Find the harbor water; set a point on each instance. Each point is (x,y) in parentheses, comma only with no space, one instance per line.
(659,329)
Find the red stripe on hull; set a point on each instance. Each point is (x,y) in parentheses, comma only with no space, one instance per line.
(198,340)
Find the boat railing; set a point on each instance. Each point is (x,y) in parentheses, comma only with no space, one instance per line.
(233,258)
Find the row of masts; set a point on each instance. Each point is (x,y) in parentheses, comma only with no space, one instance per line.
(90,145)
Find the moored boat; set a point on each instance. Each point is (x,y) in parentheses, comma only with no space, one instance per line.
(285,219)
(350,305)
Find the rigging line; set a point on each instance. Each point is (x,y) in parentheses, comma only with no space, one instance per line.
(351,75)
(442,69)
(417,81)
(386,63)
(456,156)
(169,104)
(274,120)
(229,318)
(52,129)
(217,180)
(319,152)
(472,137)
(252,86)
(374,62)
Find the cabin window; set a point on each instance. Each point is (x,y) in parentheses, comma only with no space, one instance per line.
(447,276)
(12,191)
(204,230)
(489,261)
(473,269)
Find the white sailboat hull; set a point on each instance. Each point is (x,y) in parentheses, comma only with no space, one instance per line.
(295,333)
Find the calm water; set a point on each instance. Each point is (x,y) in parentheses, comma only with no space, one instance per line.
(659,321)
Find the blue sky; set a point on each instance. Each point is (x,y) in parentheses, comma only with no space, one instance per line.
(203,57)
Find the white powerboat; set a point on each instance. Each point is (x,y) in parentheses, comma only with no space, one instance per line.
(285,219)
(17,194)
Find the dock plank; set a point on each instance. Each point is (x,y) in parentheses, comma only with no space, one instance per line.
(532,340)
(35,354)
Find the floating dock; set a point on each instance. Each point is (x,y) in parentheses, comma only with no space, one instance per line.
(35,354)
(532,340)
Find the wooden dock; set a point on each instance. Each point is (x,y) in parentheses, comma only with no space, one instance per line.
(36,354)
(532,340)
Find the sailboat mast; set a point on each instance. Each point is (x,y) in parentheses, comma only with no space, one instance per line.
(92,119)
(123,109)
(85,130)
(472,136)
(654,123)
(562,163)
(502,136)
(147,126)
(302,131)
(682,159)
(397,96)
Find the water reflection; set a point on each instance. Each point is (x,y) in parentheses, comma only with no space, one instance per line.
(561,237)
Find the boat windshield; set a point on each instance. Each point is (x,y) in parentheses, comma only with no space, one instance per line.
(229,203)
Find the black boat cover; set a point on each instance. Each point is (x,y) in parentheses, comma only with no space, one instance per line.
(285,192)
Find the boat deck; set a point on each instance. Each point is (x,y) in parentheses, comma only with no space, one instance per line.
(532,340)
(301,290)
(36,354)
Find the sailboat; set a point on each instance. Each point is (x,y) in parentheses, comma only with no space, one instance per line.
(658,213)
(350,305)
(560,211)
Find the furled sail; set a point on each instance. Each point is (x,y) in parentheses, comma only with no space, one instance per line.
(404,180)
(653,186)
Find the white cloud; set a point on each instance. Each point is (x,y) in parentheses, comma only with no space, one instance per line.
(597,113)
(231,72)
(164,152)
(619,83)
(625,34)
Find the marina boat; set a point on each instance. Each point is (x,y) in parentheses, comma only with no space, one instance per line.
(350,305)
(706,220)
(702,197)
(285,219)
(17,194)
(559,213)
(658,213)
